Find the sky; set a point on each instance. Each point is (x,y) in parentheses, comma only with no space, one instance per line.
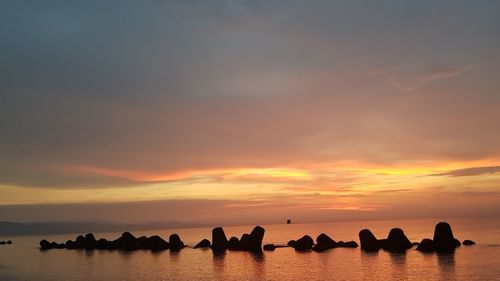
(234,111)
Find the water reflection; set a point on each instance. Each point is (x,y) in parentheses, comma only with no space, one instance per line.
(398,265)
(446,263)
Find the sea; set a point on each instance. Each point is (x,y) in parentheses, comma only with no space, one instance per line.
(24,261)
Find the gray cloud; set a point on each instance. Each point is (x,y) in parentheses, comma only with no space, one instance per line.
(475,171)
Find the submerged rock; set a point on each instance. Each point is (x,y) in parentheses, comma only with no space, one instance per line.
(443,238)
(369,242)
(175,242)
(205,243)
(465,243)
(219,240)
(269,247)
(348,244)
(304,244)
(255,240)
(323,243)
(426,245)
(233,244)
(396,241)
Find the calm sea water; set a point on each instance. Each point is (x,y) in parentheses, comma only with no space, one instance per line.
(23,261)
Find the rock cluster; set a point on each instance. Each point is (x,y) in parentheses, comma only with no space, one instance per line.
(126,241)
(396,241)
(323,243)
(248,242)
(6,242)
(443,240)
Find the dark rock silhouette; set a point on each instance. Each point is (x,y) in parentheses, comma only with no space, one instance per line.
(396,241)
(234,244)
(443,238)
(348,244)
(100,244)
(70,244)
(3,242)
(245,241)
(219,240)
(369,242)
(465,243)
(90,242)
(175,243)
(291,243)
(205,243)
(158,244)
(80,242)
(10,242)
(288,221)
(304,244)
(45,245)
(323,243)
(255,240)
(269,247)
(426,245)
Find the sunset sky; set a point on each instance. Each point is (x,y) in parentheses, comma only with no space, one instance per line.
(248,111)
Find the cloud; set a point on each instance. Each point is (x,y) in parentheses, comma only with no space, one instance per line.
(474,171)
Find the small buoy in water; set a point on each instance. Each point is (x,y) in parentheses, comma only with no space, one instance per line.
(288,221)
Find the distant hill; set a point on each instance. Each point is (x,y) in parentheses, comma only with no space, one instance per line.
(16,228)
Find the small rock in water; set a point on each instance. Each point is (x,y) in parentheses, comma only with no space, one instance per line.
(269,247)
(369,242)
(205,243)
(234,244)
(468,243)
(426,245)
(175,242)
(219,240)
(304,244)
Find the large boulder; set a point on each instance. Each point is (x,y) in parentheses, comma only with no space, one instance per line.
(369,242)
(426,245)
(323,243)
(255,241)
(45,245)
(234,244)
(219,240)
(396,241)
(157,243)
(465,243)
(443,238)
(90,242)
(304,244)
(205,243)
(175,242)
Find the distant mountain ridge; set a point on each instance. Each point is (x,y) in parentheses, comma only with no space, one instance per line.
(16,228)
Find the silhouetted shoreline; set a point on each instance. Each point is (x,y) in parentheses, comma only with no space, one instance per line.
(396,241)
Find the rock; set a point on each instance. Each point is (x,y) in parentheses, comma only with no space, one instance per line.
(70,244)
(175,242)
(269,247)
(205,243)
(245,241)
(219,240)
(158,244)
(234,244)
(45,245)
(101,244)
(288,221)
(144,243)
(426,245)
(323,243)
(291,243)
(396,241)
(3,242)
(60,245)
(304,244)
(255,241)
(9,242)
(369,242)
(90,242)
(443,238)
(80,242)
(348,244)
(465,243)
